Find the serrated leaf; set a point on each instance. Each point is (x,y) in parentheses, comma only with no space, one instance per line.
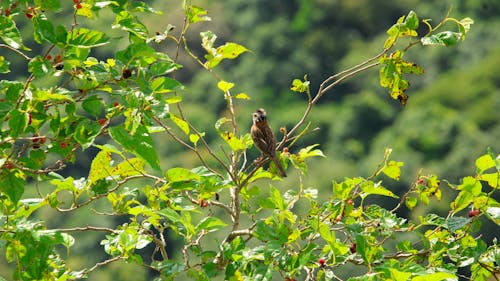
(18,121)
(234,142)
(455,223)
(393,169)
(210,224)
(86,38)
(43,29)
(12,184)
(4,65)
(129,167)
(181,175)
(411,20)
(10,34)
(377,189)
(197,14)
(225,86)
(141,143)
(92,105)
(411,202)
(242,96)
(85,132)
(484,163)
(183,125)
(100,168)
(438,276)
(326,233)
(44,95)
(493,179)
(445,38)
(163,85)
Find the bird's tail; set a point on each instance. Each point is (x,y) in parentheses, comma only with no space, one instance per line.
(278,165)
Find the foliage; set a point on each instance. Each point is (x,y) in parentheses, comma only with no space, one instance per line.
(135,95)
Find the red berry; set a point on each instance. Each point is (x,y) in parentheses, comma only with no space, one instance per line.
(29,15)
(76,1)
(29,119)
(102,121)
(43,140)
(78,6)
(115,104)
(6,12)
(283,130)
(204,203)
(353,248)
(64,145)
(9,165)
(473,213)
(350,202)
(58,58)
(321,261)
(420,181)
(48,57)
(285,149)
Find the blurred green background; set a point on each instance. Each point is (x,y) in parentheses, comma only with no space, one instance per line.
(451,118)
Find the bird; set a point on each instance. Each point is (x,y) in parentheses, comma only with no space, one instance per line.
(263,138)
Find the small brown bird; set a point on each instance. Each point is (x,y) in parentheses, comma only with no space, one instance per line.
(263,138)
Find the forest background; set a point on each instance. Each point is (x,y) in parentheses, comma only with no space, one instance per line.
(451,118)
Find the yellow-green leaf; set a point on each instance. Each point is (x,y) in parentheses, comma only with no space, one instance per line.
(129,167)
(100,167)
(183,125)
(393,169)
(484,163)
(438,276)
(225,86)
(242,96)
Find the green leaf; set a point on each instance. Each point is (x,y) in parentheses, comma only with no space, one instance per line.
(393,169)
(39,66)
(181,175)
(399,275)
(140,52)
(445,38)
(163,85)
(196,14)
(463,200)
(44,95)
(300,86)
(171,215)
(100,168)
(210,224)
(438,276)
(12,183)
(484,163)
(455,223)
(93,105)
(162,68)
(85,132)
(376,188)
(43,29)
(10,34)
(86,38)
(141,143)
(131,24)
(411,20)
(326,233)
(4,65)
(18,122)
(234,142)
(411,202)
(129,167)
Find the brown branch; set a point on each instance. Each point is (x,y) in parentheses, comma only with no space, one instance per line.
(15,51)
